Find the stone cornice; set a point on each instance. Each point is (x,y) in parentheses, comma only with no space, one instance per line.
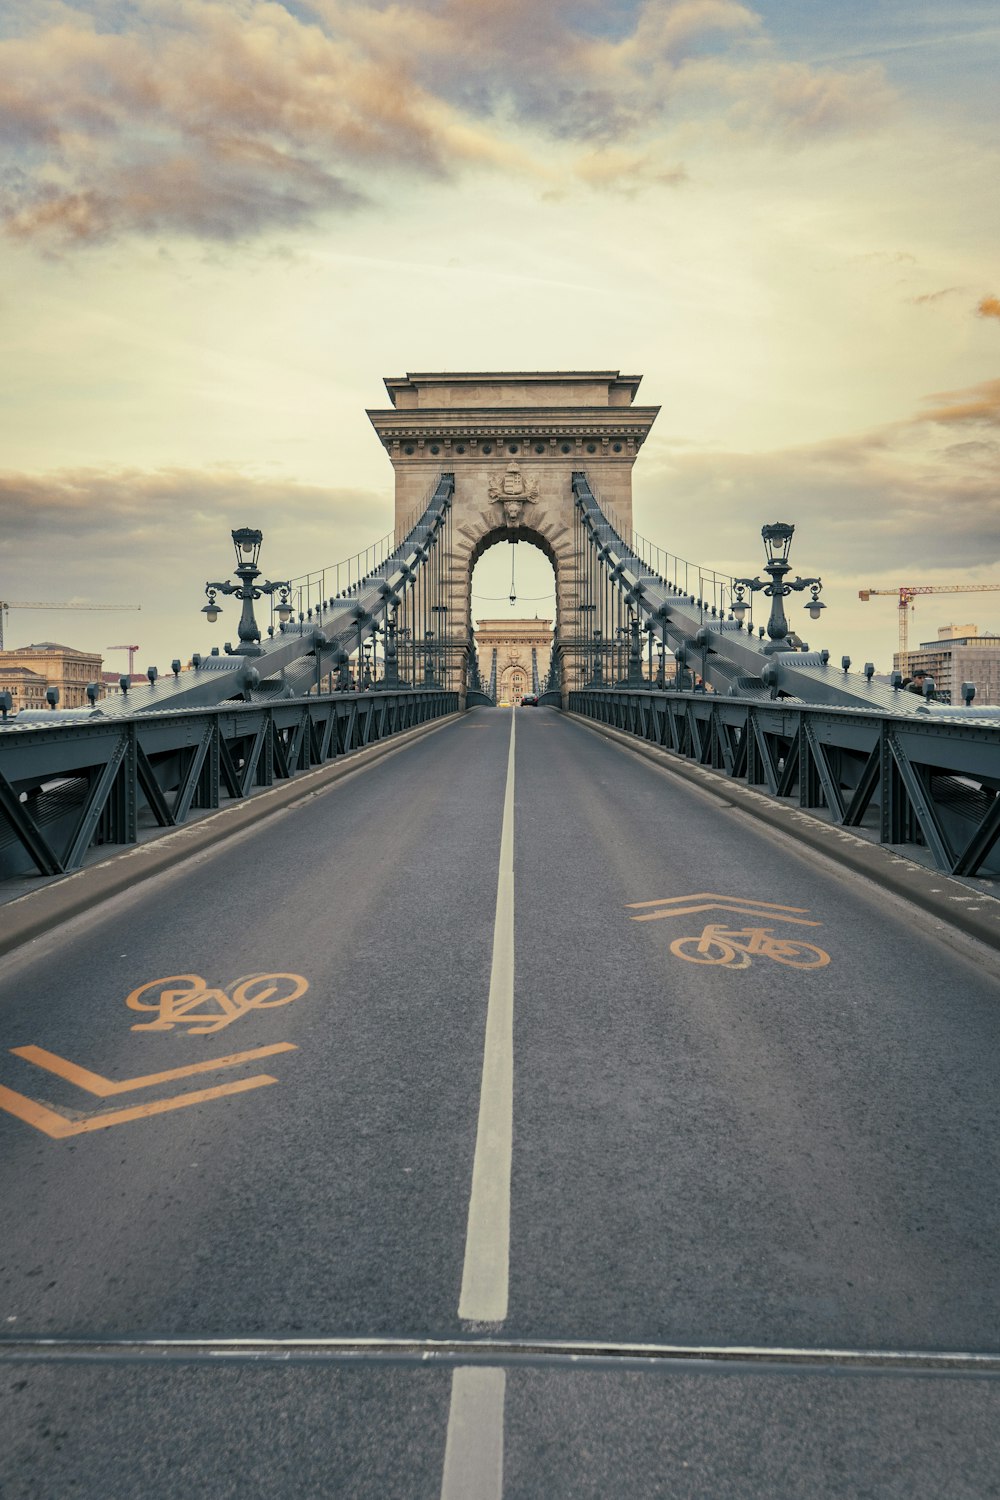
(462,432)
(503,419)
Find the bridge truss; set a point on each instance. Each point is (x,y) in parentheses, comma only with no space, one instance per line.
(102,781)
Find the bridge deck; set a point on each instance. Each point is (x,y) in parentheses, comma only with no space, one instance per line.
(743,1155)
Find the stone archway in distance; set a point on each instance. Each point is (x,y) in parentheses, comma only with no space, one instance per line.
(514,639)
(513,442)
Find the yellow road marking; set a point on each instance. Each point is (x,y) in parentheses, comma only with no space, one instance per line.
(104,1088)
(56,1125)
(177,1005)
(713,896)
(743,911)
(731,950)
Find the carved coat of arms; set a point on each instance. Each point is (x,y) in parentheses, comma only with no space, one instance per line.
(513,492)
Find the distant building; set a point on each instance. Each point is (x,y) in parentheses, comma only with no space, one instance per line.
(513,641)
(27,689)
(960,654)
(111,682)
(57,666)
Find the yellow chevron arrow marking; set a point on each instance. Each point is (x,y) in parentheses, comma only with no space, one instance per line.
(104,1088)
(680,906)
(747,901)
(743,911)
(56,1125)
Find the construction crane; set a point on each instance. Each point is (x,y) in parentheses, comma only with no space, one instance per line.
(131,654)
(906,594)
(8,604)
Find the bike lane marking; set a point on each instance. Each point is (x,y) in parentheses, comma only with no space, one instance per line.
(104,1088)
(175,1000)
(473,1459)
(723,947)
(669,906)
(58,1127)
(59,1123)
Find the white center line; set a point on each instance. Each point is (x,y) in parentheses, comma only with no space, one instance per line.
(473,1454)
(487,1242)
(473,1458)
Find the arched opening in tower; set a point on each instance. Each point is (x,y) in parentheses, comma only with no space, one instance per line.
(513,613)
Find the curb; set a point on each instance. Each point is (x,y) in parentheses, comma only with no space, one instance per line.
(38,912)
(933,891)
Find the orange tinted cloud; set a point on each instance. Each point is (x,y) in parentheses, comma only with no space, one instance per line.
(989,307)
(217,124)
(219,119)
(977,403)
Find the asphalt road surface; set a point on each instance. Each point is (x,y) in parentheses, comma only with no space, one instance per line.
(512,1119)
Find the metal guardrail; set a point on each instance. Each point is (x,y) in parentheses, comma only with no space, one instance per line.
(72,785)
(912,778)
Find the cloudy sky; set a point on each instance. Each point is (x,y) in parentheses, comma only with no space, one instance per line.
(222,223)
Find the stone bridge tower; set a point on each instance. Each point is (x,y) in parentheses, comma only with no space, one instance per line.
(512,441)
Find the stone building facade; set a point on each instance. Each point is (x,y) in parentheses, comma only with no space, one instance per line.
(26,688)
(513,641)
(61,667)
(513,442)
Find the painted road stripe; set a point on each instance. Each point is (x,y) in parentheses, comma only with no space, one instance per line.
(104,1088)
(59,1127)
(485,1274)
(473,1455)
(742,911)
(747,901)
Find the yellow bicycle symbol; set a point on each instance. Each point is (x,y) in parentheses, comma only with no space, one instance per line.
(732,950)
(182,999)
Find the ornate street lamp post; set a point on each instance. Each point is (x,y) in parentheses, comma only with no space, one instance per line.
(405,637)
(634,650)
(598,660)
(650,630)
(584,648)
(441,645)
(247,542)
(390,653)
(777,541)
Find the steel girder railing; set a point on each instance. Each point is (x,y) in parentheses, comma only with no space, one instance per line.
(913,779)
(68,786)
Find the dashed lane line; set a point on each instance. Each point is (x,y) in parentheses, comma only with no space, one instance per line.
(473,1461)
(473,1455)
(485,1273)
